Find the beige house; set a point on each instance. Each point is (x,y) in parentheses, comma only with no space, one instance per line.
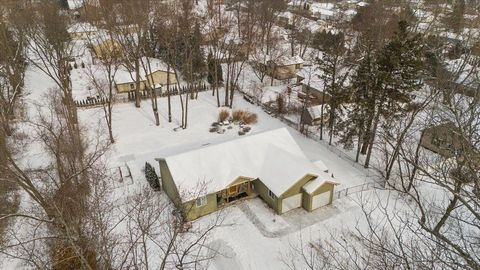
(284,67)
(104,47)
(207,179)
(154,74)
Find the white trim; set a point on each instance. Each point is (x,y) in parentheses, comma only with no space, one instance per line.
(201,202)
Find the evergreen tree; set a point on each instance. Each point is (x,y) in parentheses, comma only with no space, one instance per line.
(383,86)
(151,176)
(198,61)
(335,71)
(211,71)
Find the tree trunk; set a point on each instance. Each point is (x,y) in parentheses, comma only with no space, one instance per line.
(372,139)
(168,94)
(137,83)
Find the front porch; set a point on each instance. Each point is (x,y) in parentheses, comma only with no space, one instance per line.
(235,192)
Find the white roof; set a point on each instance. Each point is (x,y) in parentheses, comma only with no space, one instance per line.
(285,60)
(74,4)
(315,111)
(123,76)
(81,28)
(321,179)
(254,156)
(281,169)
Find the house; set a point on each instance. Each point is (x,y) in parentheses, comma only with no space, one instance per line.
(315,89)
(204,180)
(312,84)
(283,67)
(323,11)
(82,31)
(105,47)
(445,140)
(313,115)
(154,74)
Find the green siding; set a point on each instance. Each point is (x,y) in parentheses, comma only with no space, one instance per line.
(308,198)
(262,191)
(192,212)
(189,210)
(307,201)
(168,184)
(295,189)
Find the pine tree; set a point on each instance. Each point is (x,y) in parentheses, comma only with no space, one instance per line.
(151,176)
(335,71)
(198,59)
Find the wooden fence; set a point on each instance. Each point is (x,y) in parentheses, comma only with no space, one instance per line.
(97,101)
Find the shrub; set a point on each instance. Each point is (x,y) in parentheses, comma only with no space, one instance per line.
(237,115)
(151,176)
(249,118)
(223,115)
(241,133)
(246,129)
(213,129)
(75,65)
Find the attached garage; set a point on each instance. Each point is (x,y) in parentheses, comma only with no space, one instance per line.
(291,202)
(318,193)
(321,199)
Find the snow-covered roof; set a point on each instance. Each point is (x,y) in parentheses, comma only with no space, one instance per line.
(123,76)
(325,9)
(82,28)
(74,4)
(285,60)
(255,156)
(321,179)
(281,169)
(315,111)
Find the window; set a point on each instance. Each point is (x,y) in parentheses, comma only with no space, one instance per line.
(298,66)
(201,202)
(270,194)
(132,86)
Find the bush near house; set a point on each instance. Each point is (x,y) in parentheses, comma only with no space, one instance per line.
(244,116)
(151,176)
(250,118)
(223,115)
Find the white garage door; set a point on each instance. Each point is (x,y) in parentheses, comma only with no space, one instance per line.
(320,200)
(292,202)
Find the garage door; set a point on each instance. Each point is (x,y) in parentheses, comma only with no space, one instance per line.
(320,200)
(292,202)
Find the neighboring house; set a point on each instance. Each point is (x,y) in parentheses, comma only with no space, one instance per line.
(104,47)
(205,180)
(323,11)
(82,31)
(309,78)
(315,88)
(313,115)
(282,67)
(444,140)
(157,76)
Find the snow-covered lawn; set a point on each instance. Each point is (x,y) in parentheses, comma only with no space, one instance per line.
(139,140)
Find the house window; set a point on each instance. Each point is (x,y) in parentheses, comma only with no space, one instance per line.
(298,66)
(132,86)
(200,202)
(270,194)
